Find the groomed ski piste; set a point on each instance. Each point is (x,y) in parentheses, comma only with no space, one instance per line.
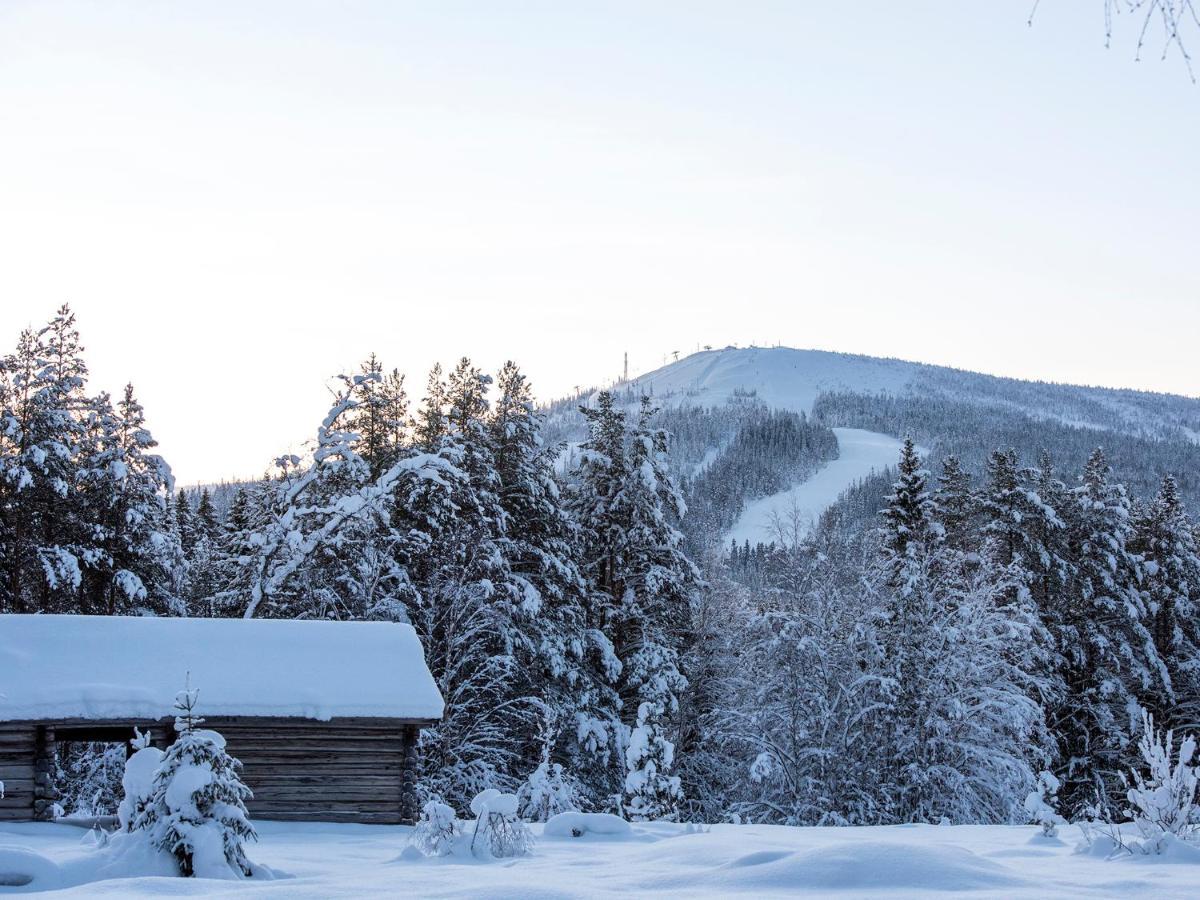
(313,860)
(789,515)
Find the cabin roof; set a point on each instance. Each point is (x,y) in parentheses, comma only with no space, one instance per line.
(55,668)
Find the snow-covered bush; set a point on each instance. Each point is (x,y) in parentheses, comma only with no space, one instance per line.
(436,833)
(197,808)
(138,784)
(547,792)
(1042,805)
(1162,803)
(651,792)
(497,826)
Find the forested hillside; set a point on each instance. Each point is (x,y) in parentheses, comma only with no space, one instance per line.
(936,647)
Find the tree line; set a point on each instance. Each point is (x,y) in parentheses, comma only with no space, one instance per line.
(928,652)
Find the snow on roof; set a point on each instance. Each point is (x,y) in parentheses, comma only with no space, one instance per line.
(122,667)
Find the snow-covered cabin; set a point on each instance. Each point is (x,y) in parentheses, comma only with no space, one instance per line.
(323,715)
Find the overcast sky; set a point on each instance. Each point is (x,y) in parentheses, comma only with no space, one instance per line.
(241,199)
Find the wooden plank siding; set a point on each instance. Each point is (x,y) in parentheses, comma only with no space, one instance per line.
(344,770)
(17,748)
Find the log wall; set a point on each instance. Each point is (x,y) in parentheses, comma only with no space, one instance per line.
(347,770)
(17,751)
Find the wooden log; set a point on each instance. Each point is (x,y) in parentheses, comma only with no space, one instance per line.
(341,782)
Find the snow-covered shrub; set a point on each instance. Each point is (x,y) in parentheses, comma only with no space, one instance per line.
(1042,805)
(138,784)
(497,826)
(651,792)
(547,792)
(197,809)
(1162,803)
(436,833)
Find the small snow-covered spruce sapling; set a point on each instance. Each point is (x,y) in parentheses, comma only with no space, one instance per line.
(1042,805)
(652,793)
(547,792)
(497,826)
(1162,803)
(197,808)
(437,831)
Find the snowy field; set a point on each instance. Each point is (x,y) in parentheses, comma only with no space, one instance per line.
(859,454)
(656,860)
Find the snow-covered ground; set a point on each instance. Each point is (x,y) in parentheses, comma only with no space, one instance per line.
(797,509)
(657,860)
(781,377)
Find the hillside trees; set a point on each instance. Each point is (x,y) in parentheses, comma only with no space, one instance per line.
(82,500)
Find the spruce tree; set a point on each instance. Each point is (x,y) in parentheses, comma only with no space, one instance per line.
(948,641)
(540,544)
(48,538)
(955,502)
(1166,544)
(197,808)
(185,518)
(651,793)
(627,504)
(206,517)
(1105,639)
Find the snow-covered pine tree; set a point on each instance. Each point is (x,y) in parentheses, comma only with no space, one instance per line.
(1046,557)
(475,618)
(142,563)
(549,789)
(796,715)
(1105,638)
(650,792)
(627,504)
(710,659)
(909,515)
(207,521)
(1165,541)
(541,546)
(47,539)
(948,641)
(379,416)
(185,519)
(322,517)
(956,504)
(204,560)
(197,808)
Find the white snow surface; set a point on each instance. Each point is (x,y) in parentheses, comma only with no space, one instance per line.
(317,860)
(781,377)
(123,667)
(859,454)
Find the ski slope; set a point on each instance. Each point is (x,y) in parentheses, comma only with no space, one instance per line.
(792,379)
(789,515)
(780,377)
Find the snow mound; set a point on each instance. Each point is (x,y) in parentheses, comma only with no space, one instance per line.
(577,824)
(23,870)
(867,865)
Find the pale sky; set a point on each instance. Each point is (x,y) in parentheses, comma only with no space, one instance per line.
(241,199)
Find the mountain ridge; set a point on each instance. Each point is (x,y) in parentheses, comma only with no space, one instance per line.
(793,378)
